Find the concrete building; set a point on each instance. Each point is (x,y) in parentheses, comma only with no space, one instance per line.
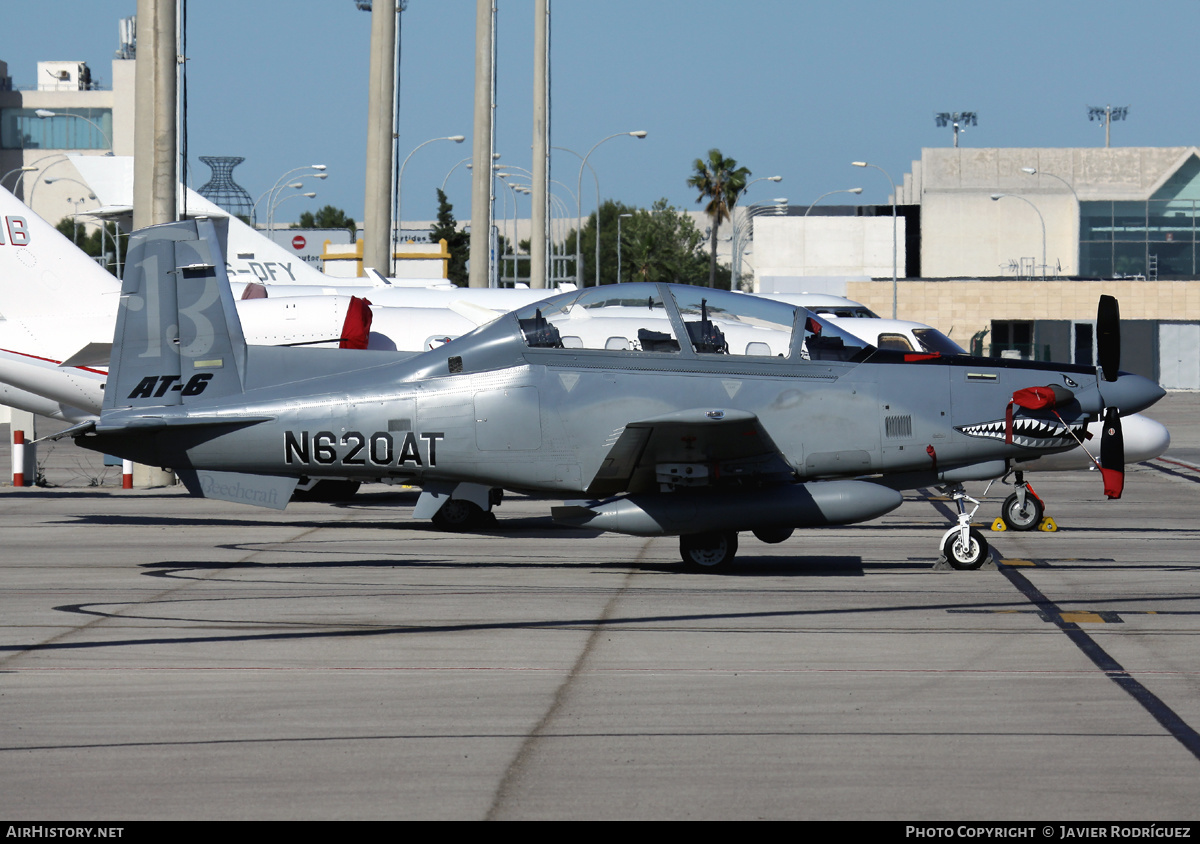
(1122,212)
(88,119)
(1010,249)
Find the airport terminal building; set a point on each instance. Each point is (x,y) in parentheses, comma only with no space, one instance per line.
(1109,212)
(1011,249)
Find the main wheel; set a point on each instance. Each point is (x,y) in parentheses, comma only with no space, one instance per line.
(708,551)
(458,514)
(1017,517)
(968,558)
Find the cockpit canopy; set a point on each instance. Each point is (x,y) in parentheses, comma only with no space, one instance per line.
(679,319)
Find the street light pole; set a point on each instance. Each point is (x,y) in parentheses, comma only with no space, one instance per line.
(831,193)
(746,189)
(579,192)
(1041,219)
(743,233)
(458,139)
(41,177)
(280,183)
(75,203)
(296,185)
(620,217)
(578,197)
(510,242)
(270,222)
(26,169)
(1033,171)
(271,216)
(44,113)
(893,184)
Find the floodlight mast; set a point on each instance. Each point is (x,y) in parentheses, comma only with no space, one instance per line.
(1106,116)
(959,119)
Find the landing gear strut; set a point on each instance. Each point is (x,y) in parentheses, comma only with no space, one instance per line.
(963,546)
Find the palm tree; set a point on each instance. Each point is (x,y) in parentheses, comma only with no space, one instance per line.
(719,180)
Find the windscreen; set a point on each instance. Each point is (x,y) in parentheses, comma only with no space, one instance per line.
(933,340)
(625,318)
(719,322)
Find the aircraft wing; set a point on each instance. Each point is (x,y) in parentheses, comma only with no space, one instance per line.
(698,447)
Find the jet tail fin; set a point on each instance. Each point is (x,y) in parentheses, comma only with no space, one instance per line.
(59,295)
(178,336)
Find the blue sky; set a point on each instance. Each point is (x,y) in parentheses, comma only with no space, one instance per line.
(796,89)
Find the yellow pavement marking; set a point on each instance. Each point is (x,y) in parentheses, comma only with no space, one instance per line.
(1083,617)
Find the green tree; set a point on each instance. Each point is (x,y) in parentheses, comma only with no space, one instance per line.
(458,242)
(94,243)
(720,181)
(663,245)
(328,217)
(609,212)
(657,244)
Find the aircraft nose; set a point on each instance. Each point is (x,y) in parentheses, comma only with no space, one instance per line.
(1144,438)
(1131,393)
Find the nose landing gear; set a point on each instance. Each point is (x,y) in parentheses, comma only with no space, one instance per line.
(963,546)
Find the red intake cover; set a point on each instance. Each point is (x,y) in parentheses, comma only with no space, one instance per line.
(356,330)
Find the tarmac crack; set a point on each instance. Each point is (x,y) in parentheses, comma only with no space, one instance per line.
(511,780)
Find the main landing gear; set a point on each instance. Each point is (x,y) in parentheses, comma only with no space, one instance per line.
(963,546)
(1023,510)
(459,516)
(458,508)
(708,551)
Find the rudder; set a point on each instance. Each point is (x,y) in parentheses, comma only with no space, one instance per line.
(178,339)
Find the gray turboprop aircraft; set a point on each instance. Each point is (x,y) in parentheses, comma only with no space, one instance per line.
(673,410)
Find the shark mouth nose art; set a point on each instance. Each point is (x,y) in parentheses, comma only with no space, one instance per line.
(1028,433)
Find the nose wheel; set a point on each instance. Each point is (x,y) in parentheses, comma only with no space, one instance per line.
(965,556)
(963,546)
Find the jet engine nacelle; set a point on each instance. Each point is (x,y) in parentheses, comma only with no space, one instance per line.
(796,505)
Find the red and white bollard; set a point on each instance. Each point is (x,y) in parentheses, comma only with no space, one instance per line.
(126,474)
(18,458)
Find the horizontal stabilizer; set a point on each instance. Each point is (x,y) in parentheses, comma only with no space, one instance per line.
(75,430)
(477,314)
(377,278)
(119,422)
(93,354)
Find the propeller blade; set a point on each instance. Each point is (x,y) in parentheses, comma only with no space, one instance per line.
(1108,337)
(1112,454)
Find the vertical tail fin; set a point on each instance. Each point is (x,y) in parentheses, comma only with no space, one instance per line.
(178,338)
(62,298)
